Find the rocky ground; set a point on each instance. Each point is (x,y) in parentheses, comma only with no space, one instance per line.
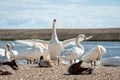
(60,72)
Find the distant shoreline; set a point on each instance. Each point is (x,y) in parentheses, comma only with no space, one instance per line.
(49,39)
(106,34)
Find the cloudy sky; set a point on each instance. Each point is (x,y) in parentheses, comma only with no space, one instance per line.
(38,14)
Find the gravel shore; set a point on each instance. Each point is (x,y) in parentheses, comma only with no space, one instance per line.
(60,72)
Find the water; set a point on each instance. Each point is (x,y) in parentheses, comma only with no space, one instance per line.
(112,48)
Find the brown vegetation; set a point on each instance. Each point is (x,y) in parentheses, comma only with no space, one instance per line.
(98,34)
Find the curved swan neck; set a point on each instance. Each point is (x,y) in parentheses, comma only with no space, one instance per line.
(54,34)
(78,44)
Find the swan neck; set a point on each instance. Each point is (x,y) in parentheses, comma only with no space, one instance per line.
(54,34)
(6,50)
(78,44)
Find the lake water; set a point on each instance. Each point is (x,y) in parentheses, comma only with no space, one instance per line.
(113,48)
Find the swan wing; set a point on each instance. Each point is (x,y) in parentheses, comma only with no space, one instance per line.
(32,42)
(68,41)
(45,43)
(72,41)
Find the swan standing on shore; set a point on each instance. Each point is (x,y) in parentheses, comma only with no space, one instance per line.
(74,52)
(13,52)
(54,46)
(94,54)
(111,61)
(2,51)
(6,56)
(29,53)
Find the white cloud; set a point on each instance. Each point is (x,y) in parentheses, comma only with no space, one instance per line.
(36,13)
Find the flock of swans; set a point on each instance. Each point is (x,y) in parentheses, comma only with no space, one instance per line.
(55,50)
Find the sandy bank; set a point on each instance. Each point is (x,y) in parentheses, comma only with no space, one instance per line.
(59,72)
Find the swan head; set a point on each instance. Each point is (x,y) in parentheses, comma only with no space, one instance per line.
(102,50)
(13,44)
(7,44)
(81,37)
(54,21)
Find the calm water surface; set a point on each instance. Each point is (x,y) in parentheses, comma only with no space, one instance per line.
(113,48)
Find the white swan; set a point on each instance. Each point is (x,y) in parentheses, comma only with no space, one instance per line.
(13,52)
(5,57)
(94,54)
(111,61)
(54,46)
(2,51)
(34,52)
(74,52)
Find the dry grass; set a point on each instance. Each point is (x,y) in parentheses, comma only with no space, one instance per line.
(98,34)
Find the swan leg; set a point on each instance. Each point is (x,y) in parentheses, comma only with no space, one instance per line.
(91,63)
(35,61)
(27,61)
(30,61)
(70,61)
(74,60)
(94,63)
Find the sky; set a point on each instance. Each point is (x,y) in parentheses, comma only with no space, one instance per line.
(70,14)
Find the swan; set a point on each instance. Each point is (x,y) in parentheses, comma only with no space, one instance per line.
(74,52)
(111,61)
(2,51)
(13,52)
(94,54)
(54,46)
(29,53)
(5,57)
